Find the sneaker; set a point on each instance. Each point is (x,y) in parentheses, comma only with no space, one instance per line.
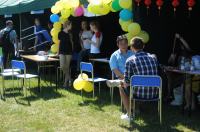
(113,83)
(176,103)
(126,117)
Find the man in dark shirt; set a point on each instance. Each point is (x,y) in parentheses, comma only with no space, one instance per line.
(141,63)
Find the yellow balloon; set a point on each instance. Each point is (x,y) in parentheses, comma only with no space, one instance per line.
(66,4)
(129,37)
(125,25)
(122,22)
(55,10)
(78,84)
(54,48)
(54,32)
(72,12)
(57,25)
(134,28)
(83,76)
(95,9)
(59,5)
(95,2)
(62,20)
(55,40)
(89,8)
(106,1)
(105,9)
(65,13)
(125,3)
(89,87)
(74,3)
(144,35)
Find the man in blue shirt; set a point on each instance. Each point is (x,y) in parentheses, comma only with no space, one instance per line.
(118,60)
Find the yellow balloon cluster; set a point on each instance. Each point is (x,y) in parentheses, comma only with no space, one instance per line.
(129,26)
(100,7)
(65,8)
(82,83)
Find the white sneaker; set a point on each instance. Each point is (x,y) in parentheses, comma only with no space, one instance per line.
(126,117)
(113,83)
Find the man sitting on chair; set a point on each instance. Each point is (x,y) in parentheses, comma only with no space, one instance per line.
(141,63)
(118,60)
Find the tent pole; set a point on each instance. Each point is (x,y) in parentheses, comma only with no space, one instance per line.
(20,27)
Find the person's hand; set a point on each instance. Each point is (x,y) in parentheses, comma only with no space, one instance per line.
(88,41)
(123,84)
(177,35)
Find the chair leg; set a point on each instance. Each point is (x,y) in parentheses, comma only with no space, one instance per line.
(13,83)
(134,108)
(93,90)
(130,111)
(160,111)
(99,88)
(111,95)
(159,108)
(2,89)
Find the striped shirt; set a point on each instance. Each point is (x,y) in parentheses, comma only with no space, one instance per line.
(142,63)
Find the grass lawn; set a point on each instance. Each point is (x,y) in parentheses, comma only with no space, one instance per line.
(60,111)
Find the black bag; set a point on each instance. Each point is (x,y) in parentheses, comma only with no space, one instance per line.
(5,40)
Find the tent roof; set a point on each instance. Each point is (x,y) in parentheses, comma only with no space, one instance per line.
(20,6)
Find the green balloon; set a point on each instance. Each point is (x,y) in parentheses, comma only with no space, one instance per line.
(116,6)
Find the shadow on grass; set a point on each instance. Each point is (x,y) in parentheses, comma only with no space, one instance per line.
(33,94)
(173,120)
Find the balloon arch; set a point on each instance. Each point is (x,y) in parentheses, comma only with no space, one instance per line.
(64,8)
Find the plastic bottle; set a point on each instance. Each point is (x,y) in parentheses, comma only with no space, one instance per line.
(182,65)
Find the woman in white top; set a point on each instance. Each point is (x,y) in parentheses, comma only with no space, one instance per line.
(84,35)
(96,40)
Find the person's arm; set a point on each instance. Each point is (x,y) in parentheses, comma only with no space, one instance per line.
(118,73)
(113,66)
(127,75)
(97,43)
(81,40)
(59,38)
(183,41)
(36,41)
(71,40)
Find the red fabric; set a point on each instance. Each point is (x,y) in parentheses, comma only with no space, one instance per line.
(98,34)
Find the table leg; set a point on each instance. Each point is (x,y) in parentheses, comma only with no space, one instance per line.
(183,104)
(190,106)
(39,88)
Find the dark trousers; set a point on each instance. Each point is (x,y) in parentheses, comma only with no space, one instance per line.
(8,55)
(83,56)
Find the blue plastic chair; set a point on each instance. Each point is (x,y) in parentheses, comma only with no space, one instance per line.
(88,67)
(6,73)
(146,81)
(21,65)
